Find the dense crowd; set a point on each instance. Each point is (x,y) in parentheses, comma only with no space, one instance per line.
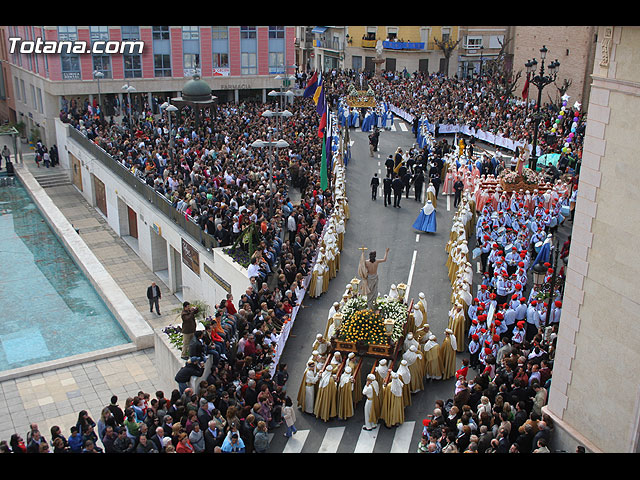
(208,171)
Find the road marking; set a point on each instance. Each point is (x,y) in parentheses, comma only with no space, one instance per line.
(331,440)
(366,441)
(296,442)
(393,128)
(413,265)
(403,127)
(448,203)
(417,237)
(478,267)
(402,438)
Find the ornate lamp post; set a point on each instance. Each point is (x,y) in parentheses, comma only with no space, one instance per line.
(277,144)
(540,80)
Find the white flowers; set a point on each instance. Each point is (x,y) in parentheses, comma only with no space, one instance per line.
(392,309)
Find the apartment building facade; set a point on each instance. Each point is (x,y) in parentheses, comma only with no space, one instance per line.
(237,61)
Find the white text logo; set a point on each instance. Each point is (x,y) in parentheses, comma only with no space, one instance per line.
(18,45)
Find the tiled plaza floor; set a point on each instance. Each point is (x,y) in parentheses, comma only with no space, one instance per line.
(56,397)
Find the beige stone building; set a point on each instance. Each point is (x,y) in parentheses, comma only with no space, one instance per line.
(572,46)
(595,393)
(410,47)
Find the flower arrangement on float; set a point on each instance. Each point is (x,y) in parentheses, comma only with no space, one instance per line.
(512,180)
(381,327)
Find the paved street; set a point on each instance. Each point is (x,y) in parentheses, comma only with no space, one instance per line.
(417,259)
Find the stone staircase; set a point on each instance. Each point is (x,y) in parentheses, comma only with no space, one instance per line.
(52,178)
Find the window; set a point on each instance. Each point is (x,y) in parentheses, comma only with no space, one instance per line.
(66,33)
(132,66)
(190,33)
(220,60)
(276,32)
(160,33)
(276,62)
(132,63)
(191,63)
(446,34)
(220,46)
(70,66)
(276,50)
(102,63)
(219,32)
(247,32)
(371,33)
(16,88)
(70,63)
(474,42)
(162,65)
(130,32)
(248,63)
(392,33)
(40,108)
(99,34)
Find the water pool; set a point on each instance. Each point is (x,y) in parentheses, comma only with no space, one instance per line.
(48,308)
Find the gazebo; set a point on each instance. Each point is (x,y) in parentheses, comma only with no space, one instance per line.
(196,93)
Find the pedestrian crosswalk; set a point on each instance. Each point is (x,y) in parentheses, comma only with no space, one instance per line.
(380,440)
(402,126)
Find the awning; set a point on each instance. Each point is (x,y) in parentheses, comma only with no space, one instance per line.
(319,29)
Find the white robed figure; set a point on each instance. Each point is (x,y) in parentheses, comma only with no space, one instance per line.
(426,221)
(370,391)
(387,119)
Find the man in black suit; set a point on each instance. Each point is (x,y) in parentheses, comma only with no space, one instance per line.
(154,295)
(386,189)
(418,182)
(375,183)
(397,187)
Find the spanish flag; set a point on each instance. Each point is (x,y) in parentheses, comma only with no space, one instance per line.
(321,107)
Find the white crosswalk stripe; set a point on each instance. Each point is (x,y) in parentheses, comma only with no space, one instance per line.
(402,438)
(403,127)
(366,441)
(331,440)
(296,442)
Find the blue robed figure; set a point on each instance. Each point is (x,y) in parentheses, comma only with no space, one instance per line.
(368,122)
(545,251)
(426,221)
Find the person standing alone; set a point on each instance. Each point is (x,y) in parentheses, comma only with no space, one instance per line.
(188,316)
(375,183)
(154,295)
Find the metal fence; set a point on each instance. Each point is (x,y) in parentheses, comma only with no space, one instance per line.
(159,201)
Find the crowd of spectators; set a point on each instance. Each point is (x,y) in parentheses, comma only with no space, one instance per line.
(474,102)
(219,181)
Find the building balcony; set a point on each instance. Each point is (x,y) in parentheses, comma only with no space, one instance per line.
(394,45)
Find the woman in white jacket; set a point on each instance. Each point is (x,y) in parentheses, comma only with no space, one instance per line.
(289,415)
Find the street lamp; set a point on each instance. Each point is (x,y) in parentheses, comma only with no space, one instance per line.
(98,75)
(278,144)
(279,115)
(129,88)
(169,108)
(540,80)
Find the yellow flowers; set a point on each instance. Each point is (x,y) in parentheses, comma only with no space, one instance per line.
(366,326)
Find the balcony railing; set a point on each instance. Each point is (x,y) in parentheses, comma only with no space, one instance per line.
(329,44)
(396,45)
